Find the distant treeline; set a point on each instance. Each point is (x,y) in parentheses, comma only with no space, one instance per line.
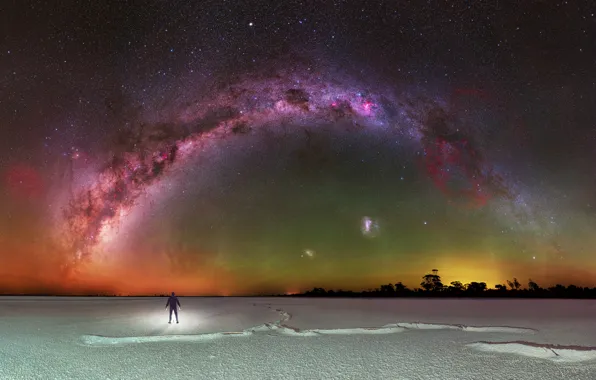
(431,286)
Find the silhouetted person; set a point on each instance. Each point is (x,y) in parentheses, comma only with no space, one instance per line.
(174,305)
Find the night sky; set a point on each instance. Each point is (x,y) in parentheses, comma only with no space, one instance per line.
(235,147)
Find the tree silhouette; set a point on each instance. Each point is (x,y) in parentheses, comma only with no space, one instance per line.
(432,282)
(533,287)
(318,291)
(387,289)
(476,287)
(557,290)
(515,285)
(456,286)
(400,288)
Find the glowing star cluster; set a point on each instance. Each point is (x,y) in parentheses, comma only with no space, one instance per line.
(369,227)
(293,97)
(308,253)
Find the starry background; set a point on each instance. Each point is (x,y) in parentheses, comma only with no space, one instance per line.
(286,204)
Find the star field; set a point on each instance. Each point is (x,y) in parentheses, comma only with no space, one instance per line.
(241,147)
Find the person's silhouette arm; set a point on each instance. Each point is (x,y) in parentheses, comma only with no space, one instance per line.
(167,303)
(178,302)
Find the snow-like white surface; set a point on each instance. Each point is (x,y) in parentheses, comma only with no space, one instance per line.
(555,353)
(297,338)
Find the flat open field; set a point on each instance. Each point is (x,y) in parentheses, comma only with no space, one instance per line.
(297,338)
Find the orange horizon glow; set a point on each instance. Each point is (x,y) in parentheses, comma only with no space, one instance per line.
(142,278)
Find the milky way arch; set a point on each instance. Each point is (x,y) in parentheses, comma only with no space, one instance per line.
(297,96)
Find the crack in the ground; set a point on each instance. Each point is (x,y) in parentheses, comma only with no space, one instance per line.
(281,326)
(556,353)
(388,328)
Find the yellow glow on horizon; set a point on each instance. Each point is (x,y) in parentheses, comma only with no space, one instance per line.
(146,273)
(468,268)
